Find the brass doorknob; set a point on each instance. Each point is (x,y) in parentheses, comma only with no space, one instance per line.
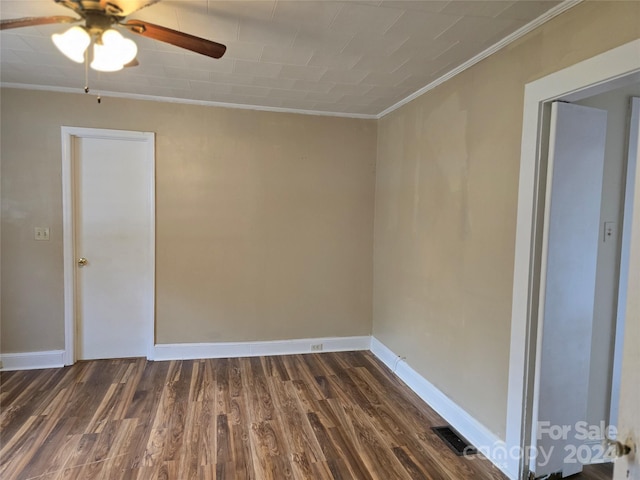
(617,448)
(82,262)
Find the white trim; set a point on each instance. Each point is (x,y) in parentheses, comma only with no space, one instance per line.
(588,74)
(189,101)
(190,351)
(522,31)
(32,360)
(69,259)
(68,249)
(488,443)
(545,17)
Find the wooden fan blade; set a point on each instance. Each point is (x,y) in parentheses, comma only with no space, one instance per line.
(34,21)
(132,63)
(174,37)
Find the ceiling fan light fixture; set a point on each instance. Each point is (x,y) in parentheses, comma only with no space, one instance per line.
(112,52)
(103,61)
(72,43)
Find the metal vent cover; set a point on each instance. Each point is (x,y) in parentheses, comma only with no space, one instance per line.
(455,441)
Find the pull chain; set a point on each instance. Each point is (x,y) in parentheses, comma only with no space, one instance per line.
(86,75)
(86,71)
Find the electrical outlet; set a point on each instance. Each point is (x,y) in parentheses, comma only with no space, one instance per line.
(316,347)
(41,233)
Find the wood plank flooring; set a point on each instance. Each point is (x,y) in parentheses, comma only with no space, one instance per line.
(602,471)
(324,416)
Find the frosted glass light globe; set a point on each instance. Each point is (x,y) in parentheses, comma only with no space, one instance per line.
(72,43)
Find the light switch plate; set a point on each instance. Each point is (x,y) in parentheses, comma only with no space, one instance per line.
(41,233)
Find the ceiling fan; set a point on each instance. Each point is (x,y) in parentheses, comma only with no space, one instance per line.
(111,51)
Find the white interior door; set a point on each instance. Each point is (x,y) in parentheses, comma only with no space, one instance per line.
(628,339)
(113,175)
(568,281)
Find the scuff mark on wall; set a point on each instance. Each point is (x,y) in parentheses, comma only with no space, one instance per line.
(448,146)
(12,210)
(416,196)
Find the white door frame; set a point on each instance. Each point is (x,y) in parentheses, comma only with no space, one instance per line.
(589,77)
(68,226)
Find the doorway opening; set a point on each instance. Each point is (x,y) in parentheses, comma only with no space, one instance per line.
(577,375)
(610,70)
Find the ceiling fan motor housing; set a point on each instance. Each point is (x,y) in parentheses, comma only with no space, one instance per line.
(98,22)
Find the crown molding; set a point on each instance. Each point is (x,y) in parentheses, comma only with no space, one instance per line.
(188,101)
(522,31)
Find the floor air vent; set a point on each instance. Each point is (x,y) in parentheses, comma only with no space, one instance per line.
(455,441)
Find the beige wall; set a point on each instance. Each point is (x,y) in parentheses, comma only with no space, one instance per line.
(264,220)
(446,197)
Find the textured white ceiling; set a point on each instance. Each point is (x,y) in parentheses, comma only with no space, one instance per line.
(346,57)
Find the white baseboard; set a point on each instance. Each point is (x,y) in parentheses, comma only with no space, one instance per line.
(189,351)
(32,360)
(488,443)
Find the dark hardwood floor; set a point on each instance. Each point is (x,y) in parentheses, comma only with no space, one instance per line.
(603,471)
(325,416)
